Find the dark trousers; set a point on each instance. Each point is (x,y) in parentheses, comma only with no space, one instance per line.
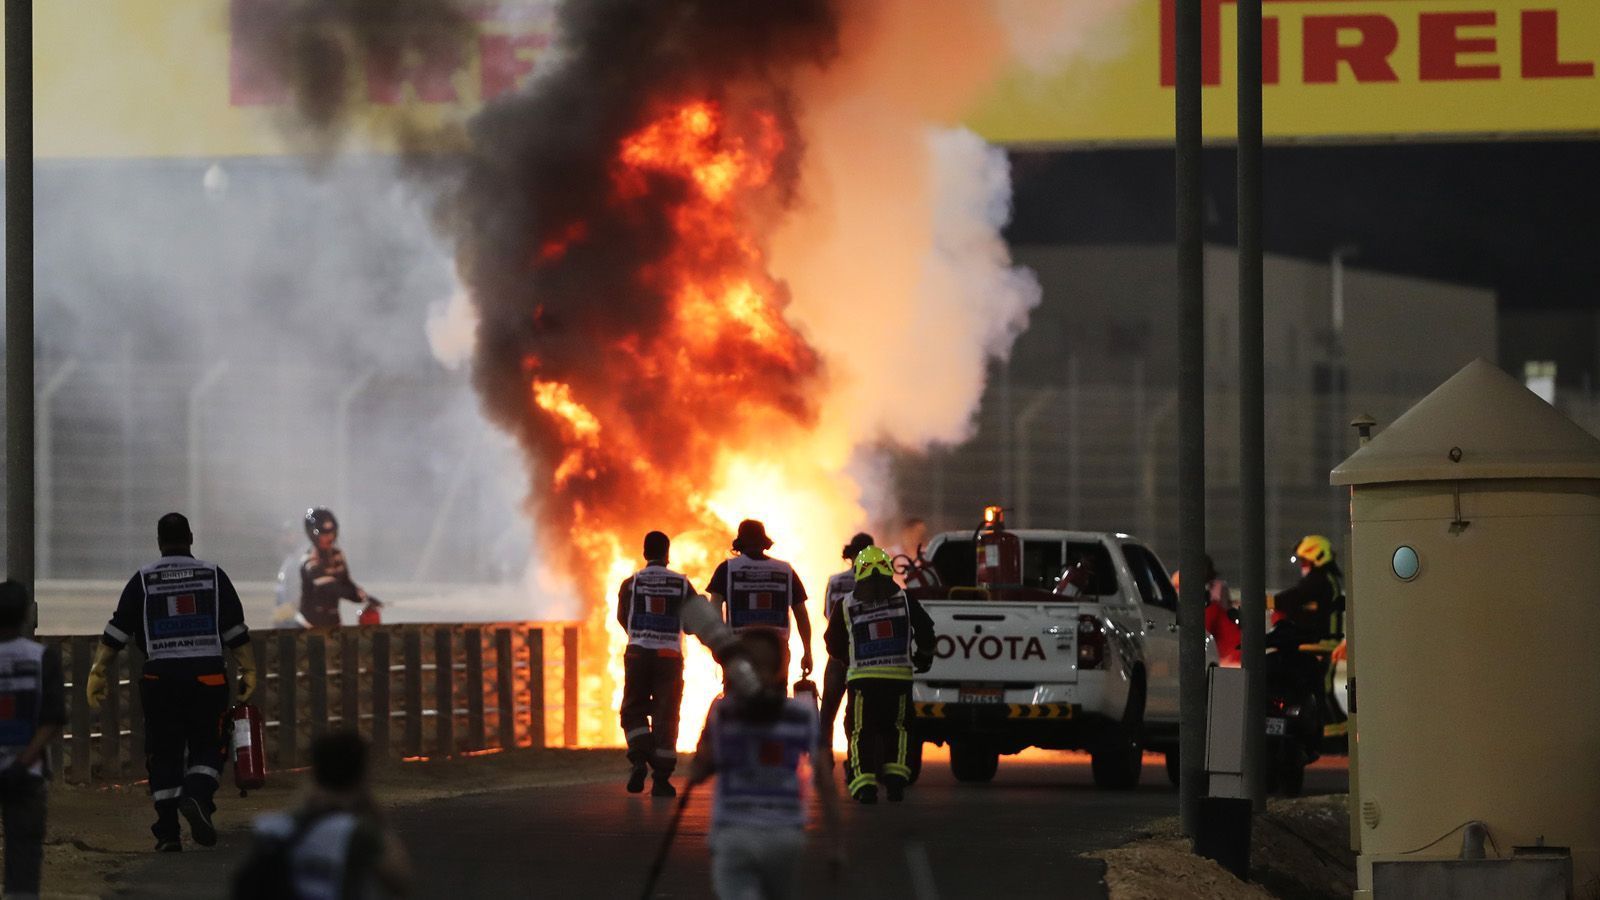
(876,715)
(184,746)
(652,691)
(833,688)
(22,804)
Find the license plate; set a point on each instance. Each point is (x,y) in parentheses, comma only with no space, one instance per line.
(982,693)
(1276,726)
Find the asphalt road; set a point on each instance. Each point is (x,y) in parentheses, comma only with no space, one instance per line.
(1020,836)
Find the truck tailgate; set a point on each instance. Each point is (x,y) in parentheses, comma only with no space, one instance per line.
(1003,643)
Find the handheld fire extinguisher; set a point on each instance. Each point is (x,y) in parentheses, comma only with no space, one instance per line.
(806,689)
(249,748)
(370,615)
(999,551)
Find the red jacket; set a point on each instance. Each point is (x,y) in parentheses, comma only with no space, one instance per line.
(1221,626)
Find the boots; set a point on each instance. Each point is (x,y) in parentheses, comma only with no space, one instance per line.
(662,787)
(636,779)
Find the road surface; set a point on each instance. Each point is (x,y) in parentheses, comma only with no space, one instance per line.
(1020,836)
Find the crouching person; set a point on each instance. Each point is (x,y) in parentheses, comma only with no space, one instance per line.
(335,845)
(754,748)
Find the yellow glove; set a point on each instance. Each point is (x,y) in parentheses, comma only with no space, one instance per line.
(97,686)
(244,656)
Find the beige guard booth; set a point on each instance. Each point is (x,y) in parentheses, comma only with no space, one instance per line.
(1478,668)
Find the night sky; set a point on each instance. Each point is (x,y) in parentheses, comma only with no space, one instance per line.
(1522,218)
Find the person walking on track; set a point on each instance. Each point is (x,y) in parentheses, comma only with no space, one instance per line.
(182,613)
(886,636)
(758,591)
(650,609)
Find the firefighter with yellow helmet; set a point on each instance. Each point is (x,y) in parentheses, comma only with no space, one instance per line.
(1315,606)
(885,636)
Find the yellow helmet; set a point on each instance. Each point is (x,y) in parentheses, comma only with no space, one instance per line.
(1314,549)
(873,561)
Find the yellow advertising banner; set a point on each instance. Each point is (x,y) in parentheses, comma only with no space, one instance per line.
(161,78)
(1333,69)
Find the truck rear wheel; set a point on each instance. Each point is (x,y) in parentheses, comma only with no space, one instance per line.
(1117,762)
(1118,757)
(972,760)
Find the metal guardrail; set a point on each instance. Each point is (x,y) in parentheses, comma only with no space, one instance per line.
(412,690)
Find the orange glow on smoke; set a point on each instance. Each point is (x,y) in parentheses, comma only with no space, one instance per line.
(739,439)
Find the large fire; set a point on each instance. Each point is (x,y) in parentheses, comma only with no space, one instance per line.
(729,378)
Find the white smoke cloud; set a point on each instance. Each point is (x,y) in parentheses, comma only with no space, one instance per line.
(452,329)
(1044,35)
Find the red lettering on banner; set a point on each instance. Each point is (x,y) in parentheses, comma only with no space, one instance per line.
(429,74)
(1367,43)
(1440,45)
(507,59)
(1271,50)
(252,79)
(1368,58)
(1541,51)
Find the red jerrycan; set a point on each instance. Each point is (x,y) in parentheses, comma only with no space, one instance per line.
(249,748)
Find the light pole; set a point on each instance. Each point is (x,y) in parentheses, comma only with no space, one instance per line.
(19,294)
(1191,421)
(1252,407)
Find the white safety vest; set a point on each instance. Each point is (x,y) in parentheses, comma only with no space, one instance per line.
(840,586)
(180,609)
(758,766)
(656,608)
(880,636)
(318,860)
(759,593)
(21,698)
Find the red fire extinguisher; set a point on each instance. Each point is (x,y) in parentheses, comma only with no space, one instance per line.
(370,615)
(806,689)
(999,551)
(249,748)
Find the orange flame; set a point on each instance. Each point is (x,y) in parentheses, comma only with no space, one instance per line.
(729,379)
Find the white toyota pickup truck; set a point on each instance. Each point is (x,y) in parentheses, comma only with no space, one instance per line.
(1026,666)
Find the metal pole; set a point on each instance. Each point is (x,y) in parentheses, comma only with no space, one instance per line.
(1252,407)
(1191,423)
(19,292)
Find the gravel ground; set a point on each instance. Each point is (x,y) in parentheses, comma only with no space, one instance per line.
(1299,849)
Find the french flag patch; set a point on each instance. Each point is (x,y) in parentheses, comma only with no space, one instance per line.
(880,630)
(181,605)
(762,600)
(656,606)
